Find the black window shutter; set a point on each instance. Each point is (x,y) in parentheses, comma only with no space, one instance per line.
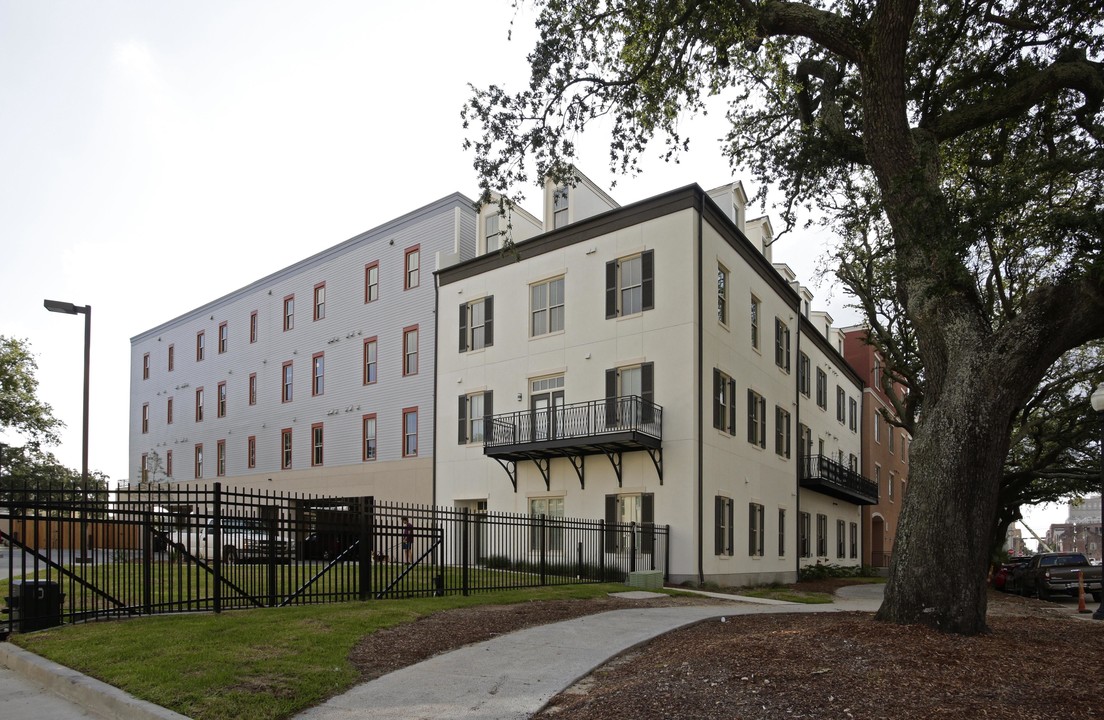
(718,388)
(751,416)
(647,523)
(751,534)
(718,532)
(488,411)
(611,397)
(611,289)
(488,320)
(462,424)
(611,520)
(647,285)
(463,327)
(647,392)
(731,407)
(731,528)
(762,422)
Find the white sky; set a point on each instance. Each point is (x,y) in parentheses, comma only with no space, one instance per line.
(157,155)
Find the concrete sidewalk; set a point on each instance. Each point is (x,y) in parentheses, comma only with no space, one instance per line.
(514,675)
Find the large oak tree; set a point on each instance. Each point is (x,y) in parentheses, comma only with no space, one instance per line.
(883,108)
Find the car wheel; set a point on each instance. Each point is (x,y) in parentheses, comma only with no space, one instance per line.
(1043,593)
(230,554)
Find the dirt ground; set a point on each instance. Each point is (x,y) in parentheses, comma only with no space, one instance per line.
(1036,662)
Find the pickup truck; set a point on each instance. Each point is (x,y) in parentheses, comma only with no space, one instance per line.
(1051,574)
(244,539)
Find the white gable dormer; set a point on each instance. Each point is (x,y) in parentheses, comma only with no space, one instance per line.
(569,203)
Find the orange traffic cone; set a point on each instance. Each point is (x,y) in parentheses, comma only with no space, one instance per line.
(1081,593)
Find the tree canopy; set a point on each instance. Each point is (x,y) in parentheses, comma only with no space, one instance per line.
(963,137)
(20,409)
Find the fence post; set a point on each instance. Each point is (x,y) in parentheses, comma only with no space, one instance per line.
(464,559)
(579,572)
(543,549)
(601,551)
(632,546)
(667,553)
(367,542)
(218,546)
(147,562)
(271,528)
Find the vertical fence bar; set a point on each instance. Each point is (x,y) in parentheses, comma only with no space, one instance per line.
(217,553)
(632,546)
(542,526)
(367,543)
(147,563)
(465,560)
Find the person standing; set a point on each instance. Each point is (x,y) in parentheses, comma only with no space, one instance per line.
(407,540)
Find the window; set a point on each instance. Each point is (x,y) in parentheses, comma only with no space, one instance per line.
(889,485)
(199,404)
(877,427)
(285,449)
(560,206)
(172,357)
(410,432)
(878,477)
(168,464)
(546,307)
(822,535)
(477,324)
(251,452)
(841,404)
(143,467)
(316,445)
(722,294)
(369,433)
(169,411)
(622,386)
(220,458)
(145,418)
(630,285)
(853,414)
(289,312)
(223,337)
(371,282)
(286,383)
(199,461)
(253,327)
(890,435)
(252,388)
(781,532)
(369,361)
(822,389)
(472,411)
(145,366)
(803,373)
(318,374)
(756,307)
(755,530)
(319,301)
(551,508)
(410,350)
(199,346)
(781,432)
(841,539)
(757,419)
(854,540)
(412,265)
(724,534)
(803,532)
(876,379)
(853,462)
(781,344)
(221,400)
(805,441)
(724,402)
(491,233)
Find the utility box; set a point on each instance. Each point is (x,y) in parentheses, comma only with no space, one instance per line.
(646,579)
(34,604)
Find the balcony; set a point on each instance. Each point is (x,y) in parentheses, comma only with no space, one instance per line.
(824,475)
(609,427)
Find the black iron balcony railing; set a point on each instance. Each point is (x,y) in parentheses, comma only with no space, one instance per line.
(630,419)
(821,473)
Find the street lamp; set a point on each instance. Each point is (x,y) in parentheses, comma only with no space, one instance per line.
(70,309)
(1098,406)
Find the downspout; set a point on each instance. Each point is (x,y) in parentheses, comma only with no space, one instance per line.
(698,399)
(800,452)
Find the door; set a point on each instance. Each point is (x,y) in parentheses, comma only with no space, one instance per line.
(546,396)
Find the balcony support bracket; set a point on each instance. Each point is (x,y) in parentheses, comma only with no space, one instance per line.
(615,460)
(577,463)
(544,465)
(511,469)
(656,455)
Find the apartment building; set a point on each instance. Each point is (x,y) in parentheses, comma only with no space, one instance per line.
(641,364)
(316,378)
(884,449)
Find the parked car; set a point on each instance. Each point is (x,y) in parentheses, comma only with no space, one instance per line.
(327,545)
(1049,574)
(244,539)
(1005,578)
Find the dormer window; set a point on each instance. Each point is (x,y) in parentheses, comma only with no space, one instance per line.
(491,232)
(559,207)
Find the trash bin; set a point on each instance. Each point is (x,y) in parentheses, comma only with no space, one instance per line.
(34,604)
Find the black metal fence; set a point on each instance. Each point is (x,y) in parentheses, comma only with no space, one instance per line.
(178,548)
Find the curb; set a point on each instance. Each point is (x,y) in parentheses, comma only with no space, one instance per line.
(95,696)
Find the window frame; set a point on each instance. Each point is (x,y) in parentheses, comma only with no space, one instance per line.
(723,281)
(467,420)
(287,447)
(220,458)
(367,456)
(756,310)
(318,440)
(821,389)
(198,460)
(822,535)
(145,418)
(172,357)
(782,440)
(318,374)
(223,341)
(289,312)
(412,272)
(201,342)
(253,327)
(757,419)
(804,534)
(199,404)
(841,539)
(781,344)
(146,366)
(804,382)
(319,305)
(407,437)
(168,464)
(287,381)
(409,356)
(841,404)
(169,410)
(468,328)
(724,402)
(781,532)
(548,307)
(220,400)
(756,530)
(616,287)
(853,414)
(371,282)
(370,370)
(724,533)
(251,452)
(252,388)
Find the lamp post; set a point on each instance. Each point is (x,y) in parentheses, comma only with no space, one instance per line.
(1098,406)
(68,308)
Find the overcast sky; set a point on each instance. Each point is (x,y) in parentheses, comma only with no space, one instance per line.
(157,155)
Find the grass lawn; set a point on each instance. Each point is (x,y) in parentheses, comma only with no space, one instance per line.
(268,663)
